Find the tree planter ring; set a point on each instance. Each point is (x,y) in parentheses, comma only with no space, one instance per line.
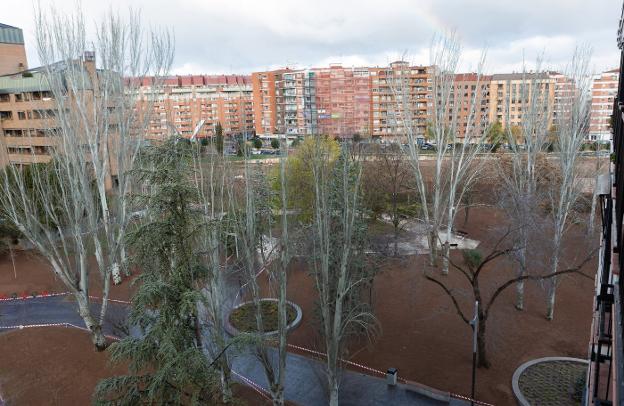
(233,331)
(515,380)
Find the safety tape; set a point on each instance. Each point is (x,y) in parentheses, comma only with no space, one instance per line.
(25,297)
(253,385)
(477,402)
(377,371)
(364,367)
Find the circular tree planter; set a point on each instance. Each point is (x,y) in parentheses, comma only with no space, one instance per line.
(550,381)
(242,318)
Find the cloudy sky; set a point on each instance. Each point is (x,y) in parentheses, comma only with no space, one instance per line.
(241,36)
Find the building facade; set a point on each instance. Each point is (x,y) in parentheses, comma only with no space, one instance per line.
(603,92)
(12,50)
(512,94)
(470,104)
(343,101)
(400,94)
(194,105)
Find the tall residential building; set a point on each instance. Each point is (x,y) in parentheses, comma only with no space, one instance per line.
(285,102)
(511,93)
(400,92)
(12,50)
(181,103)
(471,103)
(343,99)
(603,92)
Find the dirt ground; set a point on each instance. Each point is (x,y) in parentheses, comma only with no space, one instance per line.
(27,272)
(58,366)
(424,338)
(421,335)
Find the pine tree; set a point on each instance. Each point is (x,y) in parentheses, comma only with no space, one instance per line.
(219,138)
(166,364)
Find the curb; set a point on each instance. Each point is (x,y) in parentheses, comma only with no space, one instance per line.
(516,376)
(233,331)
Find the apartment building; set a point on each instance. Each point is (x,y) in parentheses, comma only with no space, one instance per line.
(285,102)
(12,50)
(511,94)
(182,104)
(400,93)
(340,101)
(470,104)
(28,111)
(603,92)
(343,99)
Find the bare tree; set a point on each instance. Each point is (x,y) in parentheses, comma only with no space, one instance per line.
(210,179)
(474,266)
(97,132)
(263,254)
(572,125)
(388,188)
(338,266)
(520,173)
(455,159)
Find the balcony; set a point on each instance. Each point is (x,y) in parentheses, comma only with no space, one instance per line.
(605,384)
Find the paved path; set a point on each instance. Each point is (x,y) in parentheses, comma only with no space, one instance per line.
(304,380)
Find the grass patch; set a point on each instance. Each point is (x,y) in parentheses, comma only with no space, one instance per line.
(244,318)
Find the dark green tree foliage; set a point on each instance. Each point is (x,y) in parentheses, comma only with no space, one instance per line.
(275,144)
(257,143)
(219,138)
(166,364)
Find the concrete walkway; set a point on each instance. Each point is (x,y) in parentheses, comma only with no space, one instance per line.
(305,380)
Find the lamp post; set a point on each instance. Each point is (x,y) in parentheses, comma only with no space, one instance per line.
(474,323)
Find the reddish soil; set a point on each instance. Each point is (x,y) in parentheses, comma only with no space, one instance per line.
(424,338)
(58,366)
(33,274)
(422,334)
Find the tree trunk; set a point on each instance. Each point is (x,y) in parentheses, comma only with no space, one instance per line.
(97,336)
(445,258)
(116,273)
(552,290)
(333,391)
(482,360)
(396,240)
(520,284)
(552,283)
(432,240)
(277,393)
(592,213)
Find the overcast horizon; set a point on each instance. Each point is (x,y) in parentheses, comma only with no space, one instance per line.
(240,37)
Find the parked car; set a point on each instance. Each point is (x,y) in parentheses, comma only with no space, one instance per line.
(427,147)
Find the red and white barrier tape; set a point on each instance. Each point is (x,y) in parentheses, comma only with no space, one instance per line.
(364,367)
(476,402)
(23,326)
(377,371)
(24,296)
(254,385)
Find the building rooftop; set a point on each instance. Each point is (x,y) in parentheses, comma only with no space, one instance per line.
(11,35)
(520,76)
(26,81)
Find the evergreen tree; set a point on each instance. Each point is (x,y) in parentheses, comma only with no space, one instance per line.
(219,138)
(166,363)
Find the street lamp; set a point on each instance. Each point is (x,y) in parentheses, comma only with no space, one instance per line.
(474,323)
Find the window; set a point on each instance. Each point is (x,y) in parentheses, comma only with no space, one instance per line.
(21,115)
